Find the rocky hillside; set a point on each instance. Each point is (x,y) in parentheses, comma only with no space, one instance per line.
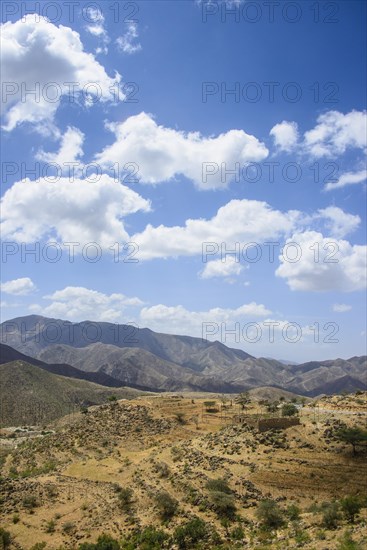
(31,395)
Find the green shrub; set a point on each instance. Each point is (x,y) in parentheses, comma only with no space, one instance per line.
(330,516)
(29,502)
(237,533)
(219,485)
(167,505)
(223,504)
(68,527)
(269,514)
(16,518)
(351,507)
(5,539)
(104,542)
(187,536)
(38,546)
(288,409)
(221,498)
(125,496)
(293,512)
(50,526)
(149,539)
(347,543)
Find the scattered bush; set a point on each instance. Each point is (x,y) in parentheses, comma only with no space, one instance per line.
(167,505)
(186,536)
(104,542)
(50,526)
(347,543)
(293,512)
(351,507)
(5,539)
(330,516)
(16,518)
(180,417)
(288,409)
(125,496)
(29,502)
(221,498)
(269,514)
(68,527)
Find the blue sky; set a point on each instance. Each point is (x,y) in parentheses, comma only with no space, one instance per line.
(274,169)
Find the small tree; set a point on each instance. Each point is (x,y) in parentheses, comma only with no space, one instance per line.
(243,399)
(353,436)
(351,507)
(269,514)
(221,498)
(210,406)
(167,505)
(288,409)
(272,407)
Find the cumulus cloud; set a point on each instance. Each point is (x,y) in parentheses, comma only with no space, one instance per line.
(336,132)
(239,221)
(348,178)
(38,55)
(338,223)
(177,319)
(163,153)
(341,308)
(285,135)
(218,268)
(128,42)
(18,287)
(70,151)
(322,264)
(80,210)
(80,303)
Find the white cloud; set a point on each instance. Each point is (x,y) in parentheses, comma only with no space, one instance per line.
(239,221)
(127,43)
(341,308)
(163,153)
(79,304)
(218,268)
(324,264)
(179,320)
(79,211)
(38,55)
(285,135)
(338,222)
(18,287)
(71,149)
(97,29)
(336,132)
(348,178)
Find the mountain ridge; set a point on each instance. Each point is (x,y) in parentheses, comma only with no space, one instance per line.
(162,362)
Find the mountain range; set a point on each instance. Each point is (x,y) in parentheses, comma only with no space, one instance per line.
(124,355)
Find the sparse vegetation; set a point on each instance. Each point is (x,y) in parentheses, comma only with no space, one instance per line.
(289,409)
(351,506)
(167,506)
(270,514)
(107,475)
(354,436)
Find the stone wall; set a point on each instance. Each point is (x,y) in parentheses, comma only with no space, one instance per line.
(264,424)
